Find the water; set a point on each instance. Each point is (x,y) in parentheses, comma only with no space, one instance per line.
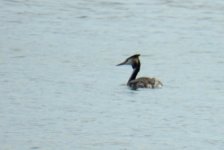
(60,88)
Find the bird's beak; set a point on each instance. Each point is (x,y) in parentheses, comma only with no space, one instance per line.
(123,63)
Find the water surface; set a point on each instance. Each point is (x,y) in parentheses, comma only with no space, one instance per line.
(60,88)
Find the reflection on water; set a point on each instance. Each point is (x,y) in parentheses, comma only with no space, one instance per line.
(60,88)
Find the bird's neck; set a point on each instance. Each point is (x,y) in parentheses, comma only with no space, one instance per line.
(134,73)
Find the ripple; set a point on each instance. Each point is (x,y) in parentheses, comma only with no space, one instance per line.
(35,147)
(19,57)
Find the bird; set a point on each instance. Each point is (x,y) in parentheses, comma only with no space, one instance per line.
(142,82)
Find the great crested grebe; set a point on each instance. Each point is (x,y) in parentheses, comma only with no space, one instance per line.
(142,82)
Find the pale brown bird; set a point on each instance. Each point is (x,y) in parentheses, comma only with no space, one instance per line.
(142,82)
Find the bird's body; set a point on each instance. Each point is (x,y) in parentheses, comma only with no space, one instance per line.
(142,82)
(145,82)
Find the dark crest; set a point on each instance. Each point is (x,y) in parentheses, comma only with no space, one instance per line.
(131,60)
(134,56)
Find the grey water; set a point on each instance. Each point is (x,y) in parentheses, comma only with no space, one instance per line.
(60,88)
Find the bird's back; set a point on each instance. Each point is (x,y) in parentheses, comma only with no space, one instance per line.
(145,82)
